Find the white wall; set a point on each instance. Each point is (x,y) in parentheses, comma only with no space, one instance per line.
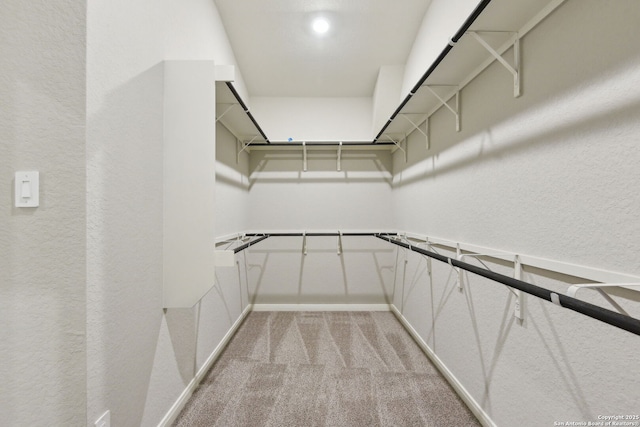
(141,357)
(125,80)
(42,250)
(232,185)
(194,30)
(553,174)
(386,95)
(314,119)
(189,181)
(283,197)
(442,20)
(279,272)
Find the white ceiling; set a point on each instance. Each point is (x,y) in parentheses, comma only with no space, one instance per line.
(279,55)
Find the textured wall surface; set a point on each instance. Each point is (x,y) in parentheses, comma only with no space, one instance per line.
(553,174)
(124,206)
(42,250)
(232,184)
(140,357)
(283,197)
(281,274)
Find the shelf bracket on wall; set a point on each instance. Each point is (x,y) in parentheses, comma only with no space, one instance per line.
(573,290)
(339,156)
(304,243)
(459,257)
(229,108)
(518,310)
(304,156)
(397,144)
(339,242)
(244,147)
(417,127)
(456,110)
(515,69)
(430,247)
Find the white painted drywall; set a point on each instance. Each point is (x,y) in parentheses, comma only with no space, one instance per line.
(205,38)
(125,81)
(42,250)
(386,95)
(283,197)
(232,185)
(442,20)
(553,174)
(188,181)
(281,274)
(140,358)
(314,119)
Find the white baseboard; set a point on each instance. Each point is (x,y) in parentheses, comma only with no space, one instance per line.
(321,307)
(466,397)
(179,404)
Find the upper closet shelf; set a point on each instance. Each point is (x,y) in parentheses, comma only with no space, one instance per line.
(234,114)
(491,33)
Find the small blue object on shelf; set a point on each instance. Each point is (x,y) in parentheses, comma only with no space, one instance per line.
(290,139)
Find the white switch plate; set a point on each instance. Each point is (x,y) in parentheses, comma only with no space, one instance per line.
(27,189)
(104,420)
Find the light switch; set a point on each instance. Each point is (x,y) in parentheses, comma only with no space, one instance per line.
(27,189)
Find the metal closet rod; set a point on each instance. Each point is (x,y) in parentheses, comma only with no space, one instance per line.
(621,321)
(251,243)
(463,29)
(246,110)
(332,234)
(319,144)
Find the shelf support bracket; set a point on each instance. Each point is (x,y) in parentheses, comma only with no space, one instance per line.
(518,310)
(304,243)
(455,111)
(398,145)
(229,108)
(573,290)
(339,242)
(304,156)
(515,69)
(459,257)
(417,127)
(244,147)
(429,271)
(339,156)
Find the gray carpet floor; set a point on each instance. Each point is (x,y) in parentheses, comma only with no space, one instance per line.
(324,369)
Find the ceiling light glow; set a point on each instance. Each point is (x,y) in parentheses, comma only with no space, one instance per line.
(320,25)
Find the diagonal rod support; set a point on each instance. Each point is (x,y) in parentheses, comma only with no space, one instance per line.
(417,127)
(229,108)
(398,145)
(514,70)
(455,111)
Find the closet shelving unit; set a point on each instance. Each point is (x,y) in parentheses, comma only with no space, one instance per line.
(234,115)
(491,33)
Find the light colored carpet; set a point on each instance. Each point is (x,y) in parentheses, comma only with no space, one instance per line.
(324,369)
